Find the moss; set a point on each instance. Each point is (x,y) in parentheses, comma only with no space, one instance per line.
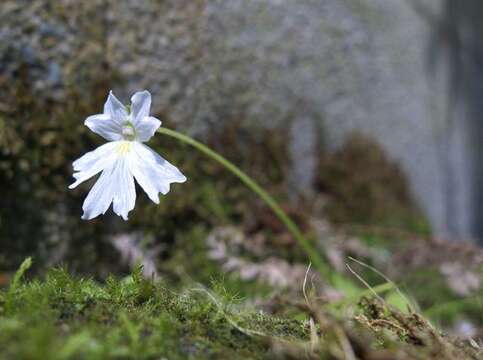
(62,318)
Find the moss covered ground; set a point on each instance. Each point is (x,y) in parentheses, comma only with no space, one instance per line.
(61,317)
(64,317)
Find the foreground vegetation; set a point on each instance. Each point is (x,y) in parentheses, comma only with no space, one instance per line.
(62,317)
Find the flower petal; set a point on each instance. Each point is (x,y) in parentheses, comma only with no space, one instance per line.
(124,189)
(105,126)
(140,106)
(115,109)
(93,162)
(164,171)
(89,158)
(100,197)
(143,179)
(146,128)
(153,173)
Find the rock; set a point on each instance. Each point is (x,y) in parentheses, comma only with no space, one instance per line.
(381,68)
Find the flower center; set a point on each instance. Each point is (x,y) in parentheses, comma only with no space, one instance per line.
(124,147)
(128,131)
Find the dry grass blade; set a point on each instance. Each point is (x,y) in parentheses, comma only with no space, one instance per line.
(406,300)
(304,285)
(364,282)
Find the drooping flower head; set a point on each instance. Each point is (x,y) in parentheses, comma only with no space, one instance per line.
(124,158)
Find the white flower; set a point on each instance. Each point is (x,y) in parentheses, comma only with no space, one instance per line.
(124,158)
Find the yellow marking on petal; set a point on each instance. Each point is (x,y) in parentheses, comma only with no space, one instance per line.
(124,147)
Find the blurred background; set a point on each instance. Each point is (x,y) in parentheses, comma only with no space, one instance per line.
(363,117)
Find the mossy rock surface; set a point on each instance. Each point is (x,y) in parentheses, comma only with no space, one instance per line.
(62,317)
(65,318)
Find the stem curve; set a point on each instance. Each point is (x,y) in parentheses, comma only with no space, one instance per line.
(308,248)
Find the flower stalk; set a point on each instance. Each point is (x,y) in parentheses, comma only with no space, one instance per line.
(312,253)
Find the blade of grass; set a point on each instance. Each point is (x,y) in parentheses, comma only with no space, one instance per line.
(389,281)
(26,264)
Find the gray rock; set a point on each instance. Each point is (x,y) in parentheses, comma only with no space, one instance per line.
(330,67)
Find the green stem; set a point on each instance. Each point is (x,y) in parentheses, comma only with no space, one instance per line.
(306,245)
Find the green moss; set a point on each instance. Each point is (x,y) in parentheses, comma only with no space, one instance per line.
(63,318)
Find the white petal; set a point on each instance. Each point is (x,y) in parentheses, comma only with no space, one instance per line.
(137,170)
(153,173)
(140,106)
(116,186)
(115,109)
(165,172)
(146,128)
(105,126)
(89,158)
(93,162)
(124,189)
(100,197)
